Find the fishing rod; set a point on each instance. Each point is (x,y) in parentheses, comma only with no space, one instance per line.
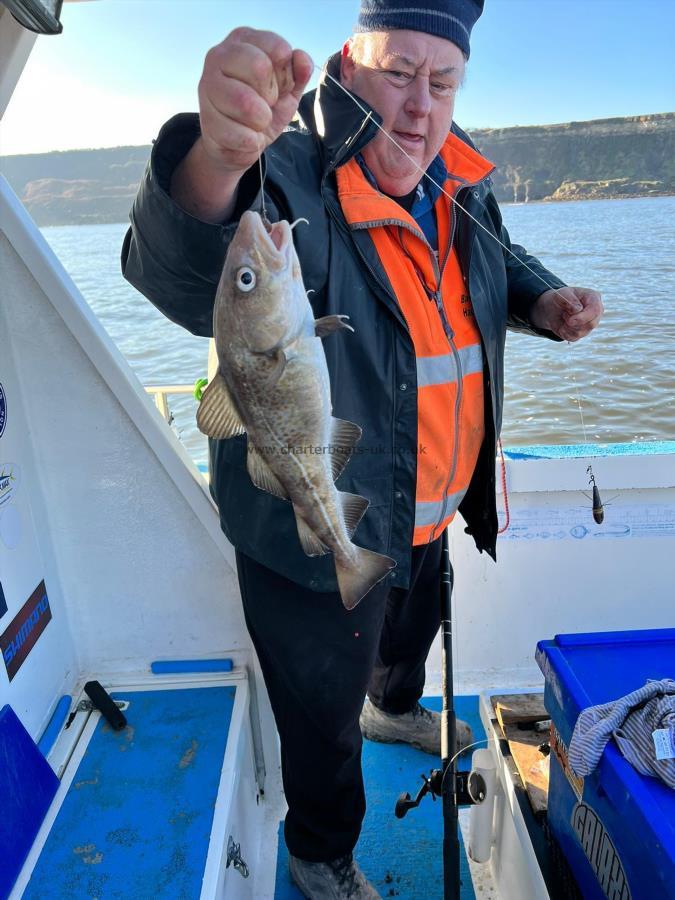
(453,787)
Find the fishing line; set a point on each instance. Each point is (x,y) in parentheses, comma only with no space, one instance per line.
(424,173)
(578,397)
(263,211)
(368,114)
(437,185)
(490,739)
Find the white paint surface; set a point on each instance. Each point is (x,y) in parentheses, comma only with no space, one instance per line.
(10,527)
(558,572)
(135,563)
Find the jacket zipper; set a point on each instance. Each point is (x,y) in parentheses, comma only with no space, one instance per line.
(437,297)
(458,363)
(450,335)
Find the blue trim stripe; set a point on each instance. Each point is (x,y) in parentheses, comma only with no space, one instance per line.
(181,666)
(575,451)
(53,729)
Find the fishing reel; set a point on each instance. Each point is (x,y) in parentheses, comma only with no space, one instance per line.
(469,788)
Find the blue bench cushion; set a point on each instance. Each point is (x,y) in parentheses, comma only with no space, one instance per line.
(27,788)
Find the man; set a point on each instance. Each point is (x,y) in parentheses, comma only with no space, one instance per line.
(429,294)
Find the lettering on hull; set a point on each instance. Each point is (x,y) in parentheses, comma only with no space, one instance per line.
(600,852)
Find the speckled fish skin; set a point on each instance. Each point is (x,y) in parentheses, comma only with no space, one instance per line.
(273,373)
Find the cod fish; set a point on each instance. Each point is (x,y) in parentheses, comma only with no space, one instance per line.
(272,384)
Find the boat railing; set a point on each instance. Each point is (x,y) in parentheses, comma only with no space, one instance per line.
(161,392)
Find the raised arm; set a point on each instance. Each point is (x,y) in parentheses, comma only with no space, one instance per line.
(248,93)
(203,170)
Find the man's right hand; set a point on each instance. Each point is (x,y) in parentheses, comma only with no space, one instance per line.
(248,93)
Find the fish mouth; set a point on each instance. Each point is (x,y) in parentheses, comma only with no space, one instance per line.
(273,242)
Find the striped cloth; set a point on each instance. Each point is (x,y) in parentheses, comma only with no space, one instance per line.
(631,721)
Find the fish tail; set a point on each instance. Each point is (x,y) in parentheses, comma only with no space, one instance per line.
(363,572)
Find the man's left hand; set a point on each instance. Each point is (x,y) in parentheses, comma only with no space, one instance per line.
(569,312)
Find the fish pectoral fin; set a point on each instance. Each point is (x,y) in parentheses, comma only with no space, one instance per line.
(328,324)
(261,474)
(217,416)
(343,436)
(282,357)
(310,543)
(353,509)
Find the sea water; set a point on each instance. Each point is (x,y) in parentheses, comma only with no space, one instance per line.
(623,373)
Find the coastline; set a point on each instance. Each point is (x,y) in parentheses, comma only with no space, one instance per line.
(104,220)
(586,199)
(602,159)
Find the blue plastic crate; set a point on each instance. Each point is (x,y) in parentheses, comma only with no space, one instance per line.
(616,827)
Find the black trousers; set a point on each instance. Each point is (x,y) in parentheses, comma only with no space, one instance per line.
(319,661)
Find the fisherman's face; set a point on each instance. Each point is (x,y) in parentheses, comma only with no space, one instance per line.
(411,79)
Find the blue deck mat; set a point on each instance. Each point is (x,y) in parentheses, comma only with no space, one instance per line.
(136,821)
(402,857)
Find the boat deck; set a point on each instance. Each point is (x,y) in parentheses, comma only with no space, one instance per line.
(402,857)
(137,817)
(137,811)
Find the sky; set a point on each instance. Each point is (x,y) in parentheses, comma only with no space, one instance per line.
(123,67)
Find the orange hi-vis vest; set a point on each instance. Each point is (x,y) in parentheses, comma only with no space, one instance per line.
(436,305)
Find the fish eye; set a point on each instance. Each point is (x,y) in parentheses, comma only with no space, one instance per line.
(245,279)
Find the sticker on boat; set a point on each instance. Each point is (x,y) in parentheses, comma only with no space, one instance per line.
(22,633)
(559,749)
(9,482)
(3,410)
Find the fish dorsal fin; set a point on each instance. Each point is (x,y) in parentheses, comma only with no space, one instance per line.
(261,474)
(311,544)
(217,415)
(343,436)
(353,508)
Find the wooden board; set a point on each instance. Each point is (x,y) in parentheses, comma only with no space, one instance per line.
(533,768)
(519,708)
(516,714)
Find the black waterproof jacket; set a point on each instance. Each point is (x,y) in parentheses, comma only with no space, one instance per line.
(176,261)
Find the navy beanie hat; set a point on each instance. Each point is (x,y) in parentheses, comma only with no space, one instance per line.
(449,19)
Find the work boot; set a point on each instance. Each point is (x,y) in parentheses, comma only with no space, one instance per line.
(421,728)
(340,879)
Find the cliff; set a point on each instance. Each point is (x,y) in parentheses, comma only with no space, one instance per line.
(77,187)
(603,158)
